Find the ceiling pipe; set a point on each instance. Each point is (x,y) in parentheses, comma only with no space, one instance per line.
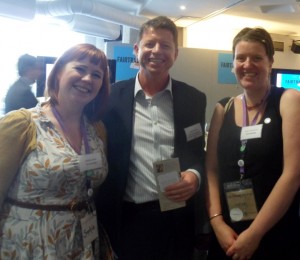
(91,8)
(91,26)
(18,9)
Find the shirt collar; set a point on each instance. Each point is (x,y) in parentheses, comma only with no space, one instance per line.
(138,88)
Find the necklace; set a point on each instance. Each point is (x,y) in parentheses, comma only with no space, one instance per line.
(249,108)
(254,106)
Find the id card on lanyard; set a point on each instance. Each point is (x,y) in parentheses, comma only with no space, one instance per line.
(240,200)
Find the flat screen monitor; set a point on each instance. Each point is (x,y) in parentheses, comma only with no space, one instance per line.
(286,78)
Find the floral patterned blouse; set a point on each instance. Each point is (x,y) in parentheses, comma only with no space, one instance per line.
(49,175)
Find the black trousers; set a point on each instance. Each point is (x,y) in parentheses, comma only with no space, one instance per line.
(149,234)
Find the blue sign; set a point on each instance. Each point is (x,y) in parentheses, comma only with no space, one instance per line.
(288,81)
(225,66)
(126,64)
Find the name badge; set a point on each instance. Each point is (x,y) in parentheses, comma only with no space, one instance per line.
(89,228)
(240,200)
(251,132)
(193,132)
(89,161)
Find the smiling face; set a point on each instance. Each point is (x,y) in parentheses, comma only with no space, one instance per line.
(79,82)
(252,66)
(156,52)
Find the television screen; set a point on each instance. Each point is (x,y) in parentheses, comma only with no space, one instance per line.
(286,78)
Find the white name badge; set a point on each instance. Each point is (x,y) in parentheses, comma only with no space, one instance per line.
(251,132)
(192,132)
(89,161)
(89,228)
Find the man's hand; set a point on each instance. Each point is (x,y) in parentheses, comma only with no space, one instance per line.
(183,189)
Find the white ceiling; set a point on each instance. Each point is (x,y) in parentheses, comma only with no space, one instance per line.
(91,16)
(277,16)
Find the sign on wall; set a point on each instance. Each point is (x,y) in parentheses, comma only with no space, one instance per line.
(126,64)
(225,66)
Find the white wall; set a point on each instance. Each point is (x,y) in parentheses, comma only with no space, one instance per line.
(198,67)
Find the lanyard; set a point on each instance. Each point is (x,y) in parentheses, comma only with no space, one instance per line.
(82,130)
(245,113)
(85,140)
(241,162)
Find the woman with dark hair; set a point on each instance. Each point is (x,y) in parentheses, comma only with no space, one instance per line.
(252,163)
(52,157)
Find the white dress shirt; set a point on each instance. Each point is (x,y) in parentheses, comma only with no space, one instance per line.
(152,140)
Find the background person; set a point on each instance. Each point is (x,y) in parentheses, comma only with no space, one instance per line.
(46,183)
(19,95)
(148,120)
(257,141)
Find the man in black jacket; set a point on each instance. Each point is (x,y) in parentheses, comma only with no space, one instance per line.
(151,118)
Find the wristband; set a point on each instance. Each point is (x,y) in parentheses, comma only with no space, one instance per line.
(214,216)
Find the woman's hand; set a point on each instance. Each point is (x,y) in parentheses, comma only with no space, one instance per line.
(226,235)
(244,246)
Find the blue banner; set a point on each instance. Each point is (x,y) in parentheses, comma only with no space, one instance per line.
(126,66)
(225,67)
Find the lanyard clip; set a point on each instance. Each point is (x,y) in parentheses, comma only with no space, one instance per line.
(241,178)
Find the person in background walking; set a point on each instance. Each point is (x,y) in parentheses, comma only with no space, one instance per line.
(19,95)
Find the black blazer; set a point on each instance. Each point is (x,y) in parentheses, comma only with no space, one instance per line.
(19,95)
(189,109)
